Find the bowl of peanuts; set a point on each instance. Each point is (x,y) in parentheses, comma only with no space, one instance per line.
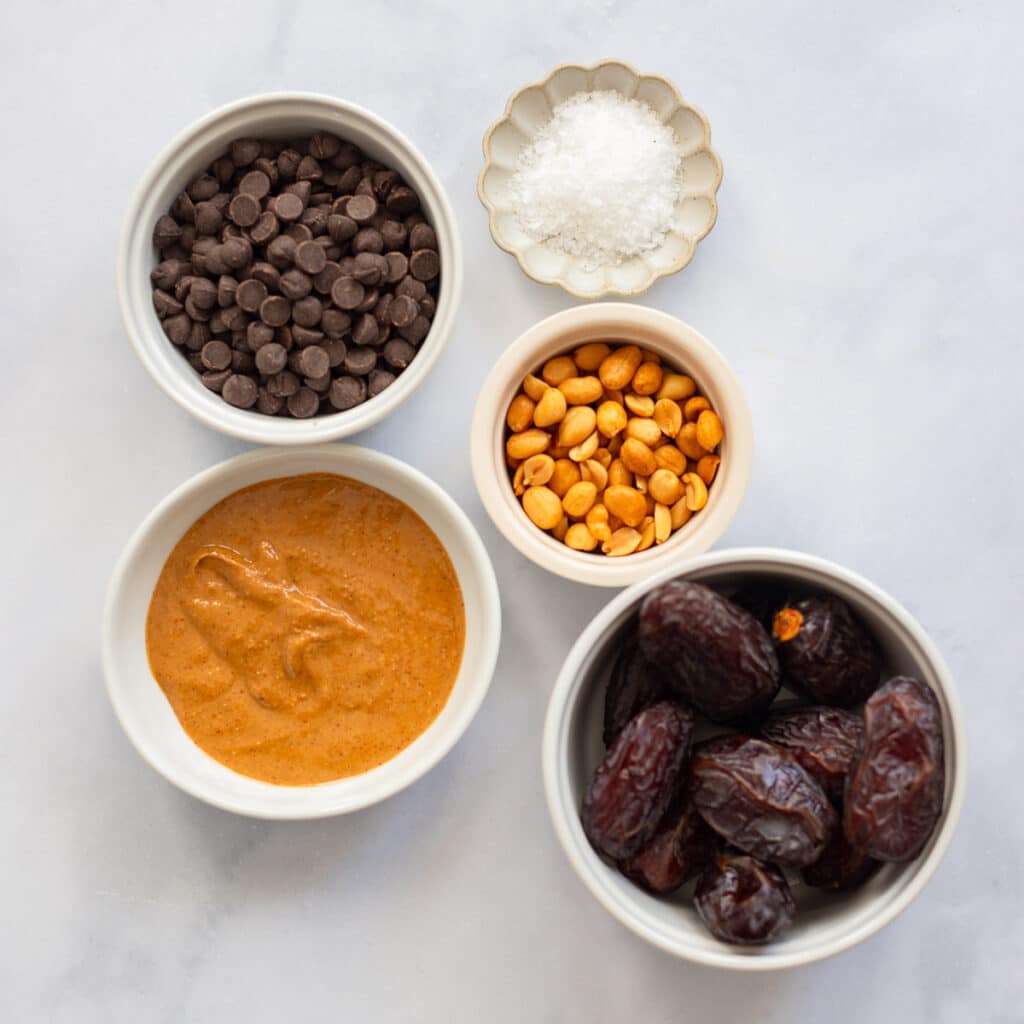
(610,440)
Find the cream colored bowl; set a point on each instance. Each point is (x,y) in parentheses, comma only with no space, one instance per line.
(826,923)
(680,346)
(145,713)
(529,109)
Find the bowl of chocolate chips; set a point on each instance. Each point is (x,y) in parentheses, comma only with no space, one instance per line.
(289,269)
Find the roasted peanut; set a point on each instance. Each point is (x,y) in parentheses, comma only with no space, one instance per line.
(597,522)
(640,483)
(676,386)
(604,457)
(579,423)
(643,429)
(561,528)
(611,418)
(709,430)
(646,533)
(614,523)
(590,356)
(593,471)
(625,502)
(687,443)
(550,409)
(665,487)
(558,451)
(647,378)
(694,407)
(558,369)
(517,480)
(520,413)
(680,513)
(668,416)
(565,474)
(534,387)
(579,499)
(662,523)
(619,474)
(585,449)
(581,390)
(637,457)
(614,395)
(615,445)
(668,456)
(537,470)
(543,507)
(617,369)
(696,492)
(579,538)
(707,467)
(527,443)
(623,541)
(650,357)
(640,405)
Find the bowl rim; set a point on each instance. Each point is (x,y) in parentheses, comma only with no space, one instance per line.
(197,484)
(244,424)
(494,488)
(517,253)
(555,767)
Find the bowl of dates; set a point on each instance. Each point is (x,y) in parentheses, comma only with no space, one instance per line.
(756,761)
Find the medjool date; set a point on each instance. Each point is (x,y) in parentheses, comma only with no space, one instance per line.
(744,901)
(841,866)
(633,785)
(677,852)
(760,799)
(713,653)
(825,652)
(894,791)
(634,684)
(824,740)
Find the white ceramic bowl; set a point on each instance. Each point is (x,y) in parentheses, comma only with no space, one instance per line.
(285,116)
(530,108)
(144,711)
(680,346)
(825,924)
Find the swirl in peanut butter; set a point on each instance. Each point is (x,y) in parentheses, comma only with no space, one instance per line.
(306,629)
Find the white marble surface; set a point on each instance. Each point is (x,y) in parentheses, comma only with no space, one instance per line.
(864,279)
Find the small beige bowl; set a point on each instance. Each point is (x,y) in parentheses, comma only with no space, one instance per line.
(680,346)
(529,109)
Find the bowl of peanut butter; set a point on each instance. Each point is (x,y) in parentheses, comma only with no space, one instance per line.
(300,634)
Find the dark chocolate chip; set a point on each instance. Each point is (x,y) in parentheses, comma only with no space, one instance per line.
(303,404)
(227,286)
(214,379)
(258,334)
(360,360)
(398,267)
(310,258)
(250,294)
(206,186)
(365,330)
(275,310)
(287,206)
(265,229)
(240,390)
(244,152)
(422,237)
(283,384)
(424,264)
(402,200)
(165,304)
(368,240)
(336,351)
(304,336)
(404,309)
(347,392)
(244,210)
(281,251)
(271,359)
(347,293)
(268,274)
(208,219)
(216,355)
(306,312)
(334,323)
(398,353)
(416,331)
(295,284)
(361,208)
(166,232)
(378,381)
(324,146)
(255,184)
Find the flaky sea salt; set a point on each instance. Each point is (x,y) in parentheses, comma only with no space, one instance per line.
(600,180)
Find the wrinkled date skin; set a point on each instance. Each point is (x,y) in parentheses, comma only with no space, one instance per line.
(841,866)
(825,652)
(895,788)
(760,799)
(713,653)
(633,785)
(678,851)
(634,684)
(744,901)
(824,740)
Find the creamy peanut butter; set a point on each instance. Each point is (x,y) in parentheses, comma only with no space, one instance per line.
(306,629)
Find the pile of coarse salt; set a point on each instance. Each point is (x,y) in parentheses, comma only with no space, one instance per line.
(600,180)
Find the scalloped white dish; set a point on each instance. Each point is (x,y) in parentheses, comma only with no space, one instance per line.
(529,109)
